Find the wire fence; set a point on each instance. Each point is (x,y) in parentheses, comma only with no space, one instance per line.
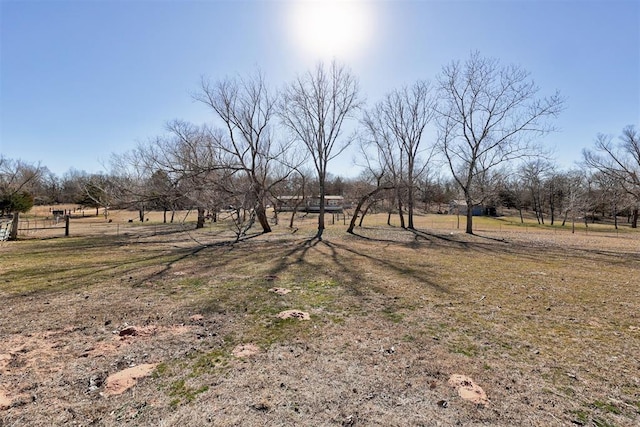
(100,226)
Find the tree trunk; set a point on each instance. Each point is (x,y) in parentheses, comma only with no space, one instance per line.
(410,202)
(13,234)
(359,206)
(164,216)
(261,214)
(364,213)
(634,221)
(321,216)
(200,223)
(141,214)
(400,213)
(469,201)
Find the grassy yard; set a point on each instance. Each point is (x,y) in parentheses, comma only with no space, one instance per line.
(546,321)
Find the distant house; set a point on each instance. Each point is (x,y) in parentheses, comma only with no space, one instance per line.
(459,207)
(289,203)
(333,204)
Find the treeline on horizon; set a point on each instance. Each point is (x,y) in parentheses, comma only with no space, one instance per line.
(471,134)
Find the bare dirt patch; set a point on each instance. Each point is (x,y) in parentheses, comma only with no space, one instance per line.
(468,389)
(245,350)
(294,314)
(121,381)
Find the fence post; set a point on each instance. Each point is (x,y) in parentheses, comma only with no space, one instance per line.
(66,225)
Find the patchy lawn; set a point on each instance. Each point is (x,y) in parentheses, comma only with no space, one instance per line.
(546,323)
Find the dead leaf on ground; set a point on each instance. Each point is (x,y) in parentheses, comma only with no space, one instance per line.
(468,389)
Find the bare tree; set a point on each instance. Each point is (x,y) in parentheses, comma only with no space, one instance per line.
(576,196)
(619,161)
(246,108)
(397,126)
(189,167)
(314,108)
(379,174)
(612,195)
(189,154)
(535,174)
(487,115)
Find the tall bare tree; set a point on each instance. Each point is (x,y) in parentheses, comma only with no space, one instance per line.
(315,107)
(488,114)
(246,109)
(620,161)
(397,124)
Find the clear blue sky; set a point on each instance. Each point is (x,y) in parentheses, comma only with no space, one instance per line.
(80,80)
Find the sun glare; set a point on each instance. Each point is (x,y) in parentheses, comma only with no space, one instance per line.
(331,28)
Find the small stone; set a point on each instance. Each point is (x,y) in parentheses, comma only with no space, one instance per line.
(128,331)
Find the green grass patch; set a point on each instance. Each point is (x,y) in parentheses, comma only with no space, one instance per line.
(182,393)
(606,407)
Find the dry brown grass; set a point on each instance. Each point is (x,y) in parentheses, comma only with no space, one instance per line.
(545,321)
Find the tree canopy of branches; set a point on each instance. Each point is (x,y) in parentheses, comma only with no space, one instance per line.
(246,109)
(488,114)
(396,126)
(314,108)
(17,183)
(620,162)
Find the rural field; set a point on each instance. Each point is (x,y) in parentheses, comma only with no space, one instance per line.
(150,324)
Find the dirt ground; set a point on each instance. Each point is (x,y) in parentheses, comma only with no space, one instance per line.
(162,325)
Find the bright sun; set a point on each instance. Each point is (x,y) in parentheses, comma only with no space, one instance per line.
(331,28)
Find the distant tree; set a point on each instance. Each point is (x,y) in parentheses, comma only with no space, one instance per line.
(130,176)
(21,202)
(98,191)
(612,196)
(576,197)
(17,182)
(397,124)
(188,155)
(534,174)
(314,108)
(487,115)
(513,194)
(46,189)
(620,162)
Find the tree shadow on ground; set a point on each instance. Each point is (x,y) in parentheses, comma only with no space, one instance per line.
(352,275)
